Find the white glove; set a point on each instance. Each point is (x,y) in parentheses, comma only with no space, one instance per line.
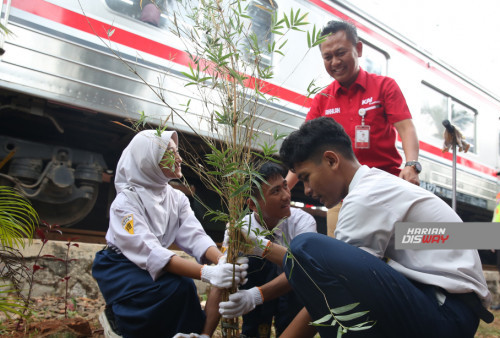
(221,275)
(240,303)
(260,242)
(190,335)
(242,261)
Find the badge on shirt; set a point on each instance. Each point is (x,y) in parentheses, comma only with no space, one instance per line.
(128,223)
(362,133)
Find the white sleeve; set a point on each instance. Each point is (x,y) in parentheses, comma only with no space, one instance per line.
(304,222)
(191,237)
(137,243)
(363,224)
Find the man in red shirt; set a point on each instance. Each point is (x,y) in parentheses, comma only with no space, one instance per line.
(370,107)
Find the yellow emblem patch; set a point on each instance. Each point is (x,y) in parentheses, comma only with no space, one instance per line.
(128,223)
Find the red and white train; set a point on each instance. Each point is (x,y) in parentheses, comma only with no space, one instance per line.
(61,87)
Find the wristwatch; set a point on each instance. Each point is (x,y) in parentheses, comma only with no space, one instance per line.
(415,164)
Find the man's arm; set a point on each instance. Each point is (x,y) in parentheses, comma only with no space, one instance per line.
(275,254)
(407,132)
(276,287)
(212,311)
(213,254)
(299,327)
(291,179)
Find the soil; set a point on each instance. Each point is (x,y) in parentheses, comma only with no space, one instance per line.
(49,320)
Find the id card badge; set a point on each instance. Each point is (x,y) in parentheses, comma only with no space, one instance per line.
(362,137)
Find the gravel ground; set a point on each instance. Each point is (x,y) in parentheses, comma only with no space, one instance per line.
(50,310)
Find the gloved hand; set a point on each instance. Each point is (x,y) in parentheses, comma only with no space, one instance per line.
(221,275)
(260,242)
(242,261)
(240,303)
(190,335)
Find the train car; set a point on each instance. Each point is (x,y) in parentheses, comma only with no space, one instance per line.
(63,82)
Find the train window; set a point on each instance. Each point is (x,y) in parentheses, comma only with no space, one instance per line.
(437,107)
(465,119)
(261,12)
(158,13)
(151,12)
(373,60)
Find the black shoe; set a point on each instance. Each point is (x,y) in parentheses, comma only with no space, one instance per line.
(107,320)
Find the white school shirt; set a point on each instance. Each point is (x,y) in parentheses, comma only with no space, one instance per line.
(299,222)
(376,201)
(148,244)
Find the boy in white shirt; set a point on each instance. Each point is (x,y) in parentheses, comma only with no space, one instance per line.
(267,294)
(406,293)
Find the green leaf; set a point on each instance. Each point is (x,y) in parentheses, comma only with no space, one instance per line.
(283,44)
(18,219)
(363,326)
(339,332)
(351,316)
(4,30)
(285,18)
(323,319)
(344,308)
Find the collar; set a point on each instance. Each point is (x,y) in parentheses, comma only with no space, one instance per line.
(360,173)
(359,82)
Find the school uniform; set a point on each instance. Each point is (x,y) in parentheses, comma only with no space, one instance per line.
(409,293)
(146,218)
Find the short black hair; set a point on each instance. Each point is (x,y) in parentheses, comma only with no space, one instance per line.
(267,171)
(312,139)
(271,169)
(350,30)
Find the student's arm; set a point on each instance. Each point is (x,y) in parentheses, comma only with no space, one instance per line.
(291,179)
(407,132)
(275,253)
(265,248)
(212,311)
(213,254)
(299,327)
(183,267)
(187,268)
(275,288)
(220,275)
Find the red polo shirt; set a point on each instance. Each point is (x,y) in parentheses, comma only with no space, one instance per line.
(385,105)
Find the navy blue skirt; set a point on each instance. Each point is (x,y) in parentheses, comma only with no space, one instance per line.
(143,307)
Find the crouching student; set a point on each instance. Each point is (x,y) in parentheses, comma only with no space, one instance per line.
(267,294)
(407,293)
(148,289)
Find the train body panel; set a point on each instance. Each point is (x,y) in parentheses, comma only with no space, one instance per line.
(64,81)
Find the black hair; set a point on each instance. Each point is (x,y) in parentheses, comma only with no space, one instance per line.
(269,170)
(312,139)
(333,27)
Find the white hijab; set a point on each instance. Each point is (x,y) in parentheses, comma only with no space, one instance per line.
(139,174)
